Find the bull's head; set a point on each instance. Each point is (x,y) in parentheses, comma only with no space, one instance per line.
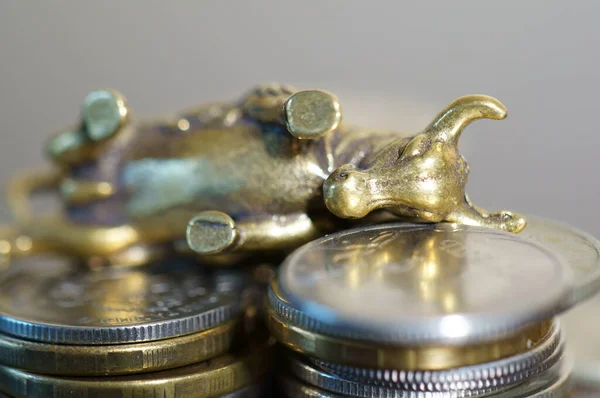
(424,177)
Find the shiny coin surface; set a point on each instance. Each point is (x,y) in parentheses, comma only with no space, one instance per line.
(420,283)
(56,302)
(212,378)
(580,250)
(103,360)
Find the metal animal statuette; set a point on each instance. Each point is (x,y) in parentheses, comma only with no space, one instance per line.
(269,172)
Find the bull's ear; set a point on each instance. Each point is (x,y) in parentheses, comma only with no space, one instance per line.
(416,146)
(449,123)
(103,113)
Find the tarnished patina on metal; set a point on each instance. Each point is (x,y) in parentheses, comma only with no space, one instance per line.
(268,172)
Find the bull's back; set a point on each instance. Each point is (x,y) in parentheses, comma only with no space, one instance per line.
(241,169)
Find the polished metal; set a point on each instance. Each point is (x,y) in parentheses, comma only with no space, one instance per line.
(55,301)
(212,378)
(554,383)
(409,284)
(502,373)
(580,250)
(311,374)
(267,172)
(426,357)
(118,359)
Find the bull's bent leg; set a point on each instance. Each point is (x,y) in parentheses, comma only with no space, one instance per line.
(306,114)
(212,232)
(503,220)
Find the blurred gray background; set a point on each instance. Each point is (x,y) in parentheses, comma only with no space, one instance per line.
(393,64)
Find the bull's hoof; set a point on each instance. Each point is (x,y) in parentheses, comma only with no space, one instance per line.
(508,221)
(211,232)
(311,114)
(103,112)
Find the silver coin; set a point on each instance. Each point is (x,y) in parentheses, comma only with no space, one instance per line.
(310,374)
(492,375)
(580,250)
(56,302)
(420,283)
(554,383)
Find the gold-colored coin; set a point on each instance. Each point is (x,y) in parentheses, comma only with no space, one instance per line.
(423,357)
(211,378)
(117,359)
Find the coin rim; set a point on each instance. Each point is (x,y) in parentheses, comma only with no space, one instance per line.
(583,288)
(557,389)
(330,382)
(420,357)
(113,335)
(525,365)
(224,374)
(109,360)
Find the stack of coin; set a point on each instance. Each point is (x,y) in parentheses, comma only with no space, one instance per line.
(169,329)
(581,324)
(413,310)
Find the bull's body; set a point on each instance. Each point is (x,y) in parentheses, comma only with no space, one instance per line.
(242,168)
(265,173)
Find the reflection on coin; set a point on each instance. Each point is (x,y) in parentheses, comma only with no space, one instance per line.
(212,378)
(579,249)
(56,302)
(421,283)
(101,360)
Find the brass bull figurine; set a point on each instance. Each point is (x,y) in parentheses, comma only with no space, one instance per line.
(269,172)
